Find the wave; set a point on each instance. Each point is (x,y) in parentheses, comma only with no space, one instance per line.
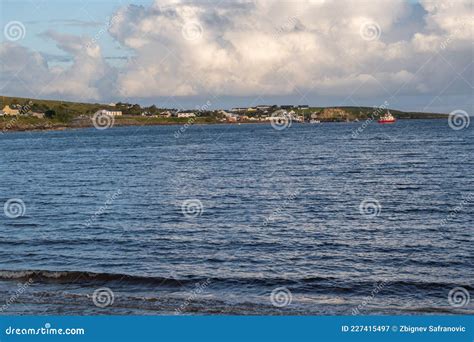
(302,285)
(84,277)
(80,277)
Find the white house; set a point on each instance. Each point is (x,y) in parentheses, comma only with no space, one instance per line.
(109,112)
(186,115)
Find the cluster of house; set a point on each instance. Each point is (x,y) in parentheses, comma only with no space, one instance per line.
(266,108)
(16,110)
(263,113)
(170,113)
(257,113)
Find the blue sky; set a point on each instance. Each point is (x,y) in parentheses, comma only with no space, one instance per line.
(414,55)
(72,17)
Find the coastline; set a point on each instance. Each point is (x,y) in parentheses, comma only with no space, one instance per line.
(26,114)
(49,125)
(19,125)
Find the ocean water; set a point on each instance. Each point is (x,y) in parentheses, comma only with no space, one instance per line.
(228,219)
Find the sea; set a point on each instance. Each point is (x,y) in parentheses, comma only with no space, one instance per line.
(306,219)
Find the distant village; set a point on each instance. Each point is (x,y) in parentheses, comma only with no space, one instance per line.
(257,113)
(24,111)
(298,113)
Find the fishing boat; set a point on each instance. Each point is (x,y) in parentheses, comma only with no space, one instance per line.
(387,118)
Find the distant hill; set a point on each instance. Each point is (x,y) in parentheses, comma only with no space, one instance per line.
(67,108)
(68,114)
(362,113)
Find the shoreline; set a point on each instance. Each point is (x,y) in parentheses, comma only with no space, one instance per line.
(131,122)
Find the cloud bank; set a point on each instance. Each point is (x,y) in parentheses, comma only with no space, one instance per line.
(252,48)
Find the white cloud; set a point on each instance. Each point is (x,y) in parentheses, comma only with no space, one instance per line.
(27,73)
(248,48)
(274,47)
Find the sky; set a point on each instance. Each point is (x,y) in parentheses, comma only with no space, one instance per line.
(411,55)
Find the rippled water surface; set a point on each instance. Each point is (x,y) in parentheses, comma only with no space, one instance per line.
(330,221)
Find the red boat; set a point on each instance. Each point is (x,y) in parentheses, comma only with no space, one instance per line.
(387,118)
